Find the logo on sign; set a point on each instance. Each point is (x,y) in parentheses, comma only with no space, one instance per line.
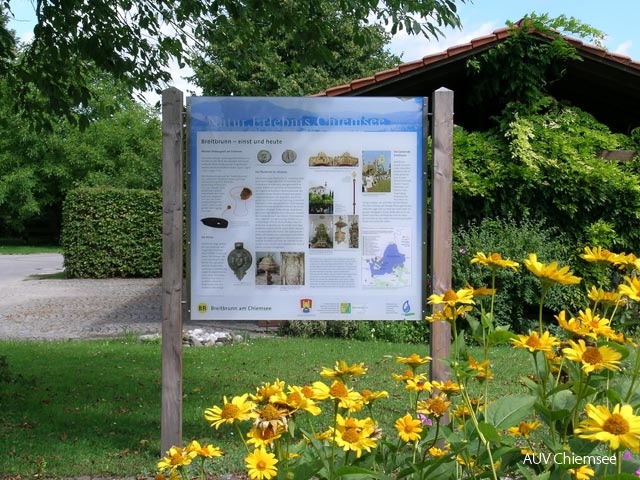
(406,309)
(345,308)
(306,304)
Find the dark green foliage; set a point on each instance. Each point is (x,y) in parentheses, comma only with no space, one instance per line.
(274,62)
(120,148)
(518,293)
(522,67)
(542,163)
(136,41)
(112,233)
(386,331)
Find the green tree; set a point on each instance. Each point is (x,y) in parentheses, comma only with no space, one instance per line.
(520,68)
(121,147)
(268,60)
(134,40)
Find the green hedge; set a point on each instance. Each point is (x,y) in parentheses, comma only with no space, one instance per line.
(543,165)
(112,233)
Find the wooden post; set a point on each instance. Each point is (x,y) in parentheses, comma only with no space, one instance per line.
(441,222)
(172,186)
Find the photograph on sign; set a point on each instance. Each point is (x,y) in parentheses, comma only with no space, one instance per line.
(305,208)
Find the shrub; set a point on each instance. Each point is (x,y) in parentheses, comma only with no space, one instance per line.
(518,295)
(542,162)
(112,233)
(386,331)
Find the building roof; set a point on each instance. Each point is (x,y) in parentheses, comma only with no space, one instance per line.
(605,84)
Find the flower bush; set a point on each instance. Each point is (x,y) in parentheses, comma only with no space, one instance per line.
(578,420)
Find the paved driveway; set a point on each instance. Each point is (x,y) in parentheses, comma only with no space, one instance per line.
(32,308)
(14,268)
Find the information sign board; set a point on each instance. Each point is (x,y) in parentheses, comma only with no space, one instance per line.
(305,208)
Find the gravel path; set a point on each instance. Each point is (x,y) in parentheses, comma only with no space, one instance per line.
(33,308)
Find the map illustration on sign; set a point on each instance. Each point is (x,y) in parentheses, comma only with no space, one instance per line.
(387,260)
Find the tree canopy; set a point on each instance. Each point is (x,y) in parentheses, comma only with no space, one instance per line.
(268,60)
(135,40)
(121,147)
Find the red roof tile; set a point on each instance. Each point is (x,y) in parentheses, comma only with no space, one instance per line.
(434,57)
(407,67)
(383,75)
(496,36)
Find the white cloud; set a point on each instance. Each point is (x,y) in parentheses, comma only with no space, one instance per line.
(414,47)
(624,48)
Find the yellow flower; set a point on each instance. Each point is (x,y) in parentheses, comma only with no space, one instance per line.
(573,325)
(550,273)
(271,416)
(482,291)
(596,324)
(295,399)
(309,392)
(176,457)
(419,383)
(534,343)
(409,428)
(598,295)
(618,427)
(494,260)
(267,390)
(447,386)
(524,428)
(437,452)
(207,451)
(631,289)
(355,435)
(435,406)
(470,461)
(583,472)
(482,369)
(369,397)
(452,298)
(408,374)
(414,360)
(346,397)
(342,370)
(461,412)
(599,255)
(623,260)
(592,358)
(263,437)
(449,313)
(261,464)
(239,409)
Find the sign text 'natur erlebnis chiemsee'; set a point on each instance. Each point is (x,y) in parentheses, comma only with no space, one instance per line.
(305,208)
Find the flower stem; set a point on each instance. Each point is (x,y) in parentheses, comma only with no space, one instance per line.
(543,295)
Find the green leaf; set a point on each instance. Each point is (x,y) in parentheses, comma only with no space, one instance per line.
(563,400)
(510,410)
(622,476)
(528,475)
(500,337)
(489,432)
(356,473)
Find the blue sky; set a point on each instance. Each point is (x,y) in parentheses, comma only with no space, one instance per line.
(616,18)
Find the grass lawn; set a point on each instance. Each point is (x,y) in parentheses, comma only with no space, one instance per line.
(93,407)
(8,249)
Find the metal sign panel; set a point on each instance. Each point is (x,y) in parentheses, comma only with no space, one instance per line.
(306,208)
